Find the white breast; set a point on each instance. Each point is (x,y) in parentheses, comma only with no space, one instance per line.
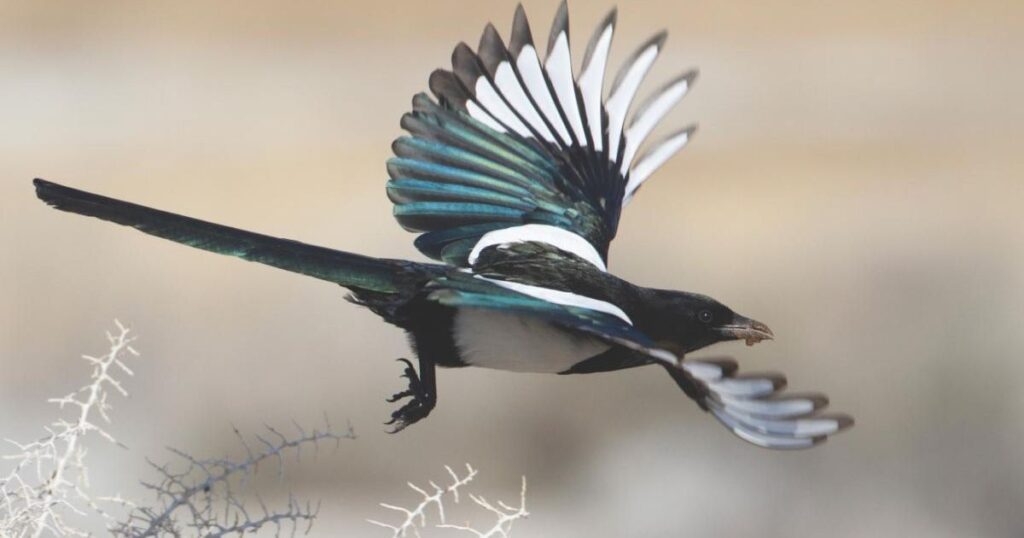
(502,341)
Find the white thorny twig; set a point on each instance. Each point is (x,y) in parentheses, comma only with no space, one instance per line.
(416,518)
(506,516)
(49,479)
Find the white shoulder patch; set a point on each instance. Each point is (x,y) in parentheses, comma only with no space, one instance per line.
(562,298)
(541,233)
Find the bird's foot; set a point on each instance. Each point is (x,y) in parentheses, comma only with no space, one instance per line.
(422,402)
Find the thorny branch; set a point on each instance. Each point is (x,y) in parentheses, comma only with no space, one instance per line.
(201,496)
(506,516)
(416,518)
(49,480)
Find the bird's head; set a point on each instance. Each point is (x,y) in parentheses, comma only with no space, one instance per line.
(685,322)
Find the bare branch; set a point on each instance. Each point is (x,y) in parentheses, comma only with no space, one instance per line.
(415,518)
(506,516)
(49,481)
(202,497)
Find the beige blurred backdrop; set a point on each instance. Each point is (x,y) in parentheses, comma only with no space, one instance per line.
(856,183)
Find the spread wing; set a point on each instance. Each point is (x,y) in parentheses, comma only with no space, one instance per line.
(516,149)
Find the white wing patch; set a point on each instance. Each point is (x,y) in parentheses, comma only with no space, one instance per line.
(505,79)
(591,80)
(490,99)
(557,237)
(536,99)
(529,67)
(623,93)
(653,159)
(650,114)
(559,68)
(561,297)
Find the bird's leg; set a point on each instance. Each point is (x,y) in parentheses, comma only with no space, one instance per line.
(423,391)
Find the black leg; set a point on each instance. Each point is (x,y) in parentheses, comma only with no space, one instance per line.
(423,391)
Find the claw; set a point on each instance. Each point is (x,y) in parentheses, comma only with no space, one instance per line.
(415,409)
(406,415)
(398,396)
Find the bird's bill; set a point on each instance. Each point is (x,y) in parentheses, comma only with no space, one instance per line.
(743,328)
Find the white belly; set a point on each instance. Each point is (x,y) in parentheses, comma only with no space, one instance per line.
(520,344)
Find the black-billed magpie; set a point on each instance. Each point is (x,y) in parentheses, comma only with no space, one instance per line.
(515,174)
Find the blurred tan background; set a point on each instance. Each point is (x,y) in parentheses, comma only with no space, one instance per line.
(856,183)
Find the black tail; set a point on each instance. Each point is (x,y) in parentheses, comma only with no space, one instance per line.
(349,270)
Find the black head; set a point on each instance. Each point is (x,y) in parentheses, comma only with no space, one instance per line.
(685,322)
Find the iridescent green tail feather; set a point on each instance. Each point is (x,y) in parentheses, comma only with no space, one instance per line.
(350,270)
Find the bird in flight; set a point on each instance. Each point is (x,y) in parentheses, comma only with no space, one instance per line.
(514,175)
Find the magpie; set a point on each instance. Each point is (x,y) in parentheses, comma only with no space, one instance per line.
(514,175)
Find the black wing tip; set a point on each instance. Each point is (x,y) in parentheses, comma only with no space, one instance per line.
(489,35)
(612,18)
(844,421)
(609,20)
(446,86)
(521,35)
(818,400)
(466,66)
(728,365)
(560,25)
(657,39)
(778,380)
(461,54)
(520,12)
(691,75)
(491,49)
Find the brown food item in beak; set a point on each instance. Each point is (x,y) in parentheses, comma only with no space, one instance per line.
(748,330)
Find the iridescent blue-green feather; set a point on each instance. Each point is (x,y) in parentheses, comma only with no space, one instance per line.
(404,191)
(401,167)
(433,243)
(433,151)
(350,270)
(427,216)
(472,133)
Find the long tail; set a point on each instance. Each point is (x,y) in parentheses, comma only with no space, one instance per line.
(350,270)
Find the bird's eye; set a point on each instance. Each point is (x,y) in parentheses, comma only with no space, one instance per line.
(705,316)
